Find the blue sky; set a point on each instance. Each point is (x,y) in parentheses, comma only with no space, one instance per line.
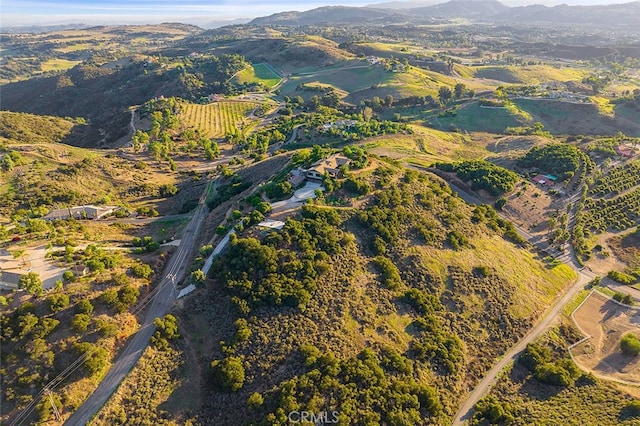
(30,12)
(27,12)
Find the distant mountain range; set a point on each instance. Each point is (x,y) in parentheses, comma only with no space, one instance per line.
(615,16)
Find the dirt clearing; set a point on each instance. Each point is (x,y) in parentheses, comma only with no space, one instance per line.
(606,322)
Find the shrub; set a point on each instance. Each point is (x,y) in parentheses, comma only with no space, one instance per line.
(500,203)
(632,409)
(168,190)
(535,355)
(630,344)
(141,270)
(229,373)
(390,273)
(58,302)
(32,283)
(621,277)
(80,322)
(623,298)
(255,400)
(68,276)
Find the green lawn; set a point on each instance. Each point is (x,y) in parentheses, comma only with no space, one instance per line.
(258,73)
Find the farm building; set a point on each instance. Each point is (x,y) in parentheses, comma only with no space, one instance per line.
(543,180)
(330,165)
(80,212)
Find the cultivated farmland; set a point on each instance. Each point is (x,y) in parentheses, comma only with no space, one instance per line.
(219,118)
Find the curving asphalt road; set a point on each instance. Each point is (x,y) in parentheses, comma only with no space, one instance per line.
(166,295)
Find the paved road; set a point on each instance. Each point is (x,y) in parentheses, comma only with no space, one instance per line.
(163,301)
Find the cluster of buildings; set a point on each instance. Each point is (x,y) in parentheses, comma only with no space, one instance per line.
(339,124)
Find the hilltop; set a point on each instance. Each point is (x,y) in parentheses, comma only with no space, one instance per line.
(618,15)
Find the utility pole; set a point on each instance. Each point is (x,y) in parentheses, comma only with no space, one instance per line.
(53,404)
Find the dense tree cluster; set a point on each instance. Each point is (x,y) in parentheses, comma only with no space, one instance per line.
(359,389)
(483,175)
(563,160)
(283,268)
(539,360)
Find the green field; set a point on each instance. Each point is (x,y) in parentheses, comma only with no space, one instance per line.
(363,81)
(217,119)
(258,73)
(58,64)
(475,118)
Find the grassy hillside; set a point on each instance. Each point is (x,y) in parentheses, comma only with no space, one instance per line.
(287,54)
(531,74)
(49,176)
(427,146)
(33,129)
(28,55)
(416,285)
(577,118)
(363,81)
(476,118)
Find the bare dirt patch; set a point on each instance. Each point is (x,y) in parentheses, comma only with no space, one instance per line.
(626,248)
(606,322)
(602,262)
(530,205)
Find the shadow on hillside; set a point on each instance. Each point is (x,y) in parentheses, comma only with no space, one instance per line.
(530,386)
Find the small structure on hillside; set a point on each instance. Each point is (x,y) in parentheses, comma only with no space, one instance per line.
(215,97)
(625,151)
(296,177)
(330,165)
(10,279)
(339,124)
(80,212)
(272,224)
(542,180)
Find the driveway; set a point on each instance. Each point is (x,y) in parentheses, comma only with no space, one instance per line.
(300,196)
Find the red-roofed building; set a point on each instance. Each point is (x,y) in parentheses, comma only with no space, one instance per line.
(542,180)
(625,151)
